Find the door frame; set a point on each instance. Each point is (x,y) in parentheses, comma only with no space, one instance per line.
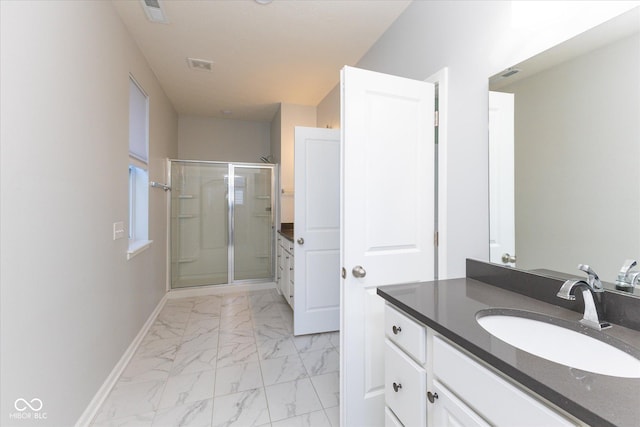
(441,80)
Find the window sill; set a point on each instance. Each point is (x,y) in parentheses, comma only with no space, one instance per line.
(137,246)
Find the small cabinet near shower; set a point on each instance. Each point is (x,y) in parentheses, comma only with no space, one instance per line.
(286,274)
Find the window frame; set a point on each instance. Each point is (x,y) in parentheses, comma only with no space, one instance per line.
(138,167)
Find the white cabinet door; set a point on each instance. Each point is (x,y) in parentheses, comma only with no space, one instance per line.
(279,265)
(291,278)
(317,231)
(286,276)
(387,221)
(480,388)
(449,411)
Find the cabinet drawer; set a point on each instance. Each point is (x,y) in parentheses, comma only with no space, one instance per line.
(481,389)
(406,333)
(408,398)
(390,419)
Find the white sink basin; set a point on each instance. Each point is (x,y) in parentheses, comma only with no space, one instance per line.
(559,344)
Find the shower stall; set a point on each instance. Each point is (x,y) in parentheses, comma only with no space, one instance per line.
(222,223)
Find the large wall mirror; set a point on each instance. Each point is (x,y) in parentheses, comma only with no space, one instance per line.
(565,155)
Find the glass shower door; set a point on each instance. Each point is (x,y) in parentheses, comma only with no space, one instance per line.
(199,218)
(252,222)
(221,223)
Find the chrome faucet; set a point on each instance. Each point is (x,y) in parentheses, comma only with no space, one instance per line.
(592,278)
(627,278)
(591,288)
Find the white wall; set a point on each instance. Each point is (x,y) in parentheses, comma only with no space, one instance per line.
(71,303)
(577,128)
(288,117)
(210,138)
(474,40)
(276,136)
(328,115)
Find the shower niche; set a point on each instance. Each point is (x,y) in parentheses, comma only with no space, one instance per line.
(222,223)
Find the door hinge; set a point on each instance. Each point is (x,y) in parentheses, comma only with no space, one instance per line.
(436,118)
(435,239)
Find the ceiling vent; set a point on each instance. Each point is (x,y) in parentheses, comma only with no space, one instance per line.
(154,12)
(200,64)
(509,72)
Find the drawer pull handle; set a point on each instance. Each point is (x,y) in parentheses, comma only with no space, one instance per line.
(396,387)
(396,329)
(432,396)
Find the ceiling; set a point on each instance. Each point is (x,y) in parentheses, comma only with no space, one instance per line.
(287,51)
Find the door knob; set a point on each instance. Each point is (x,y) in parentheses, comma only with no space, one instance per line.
(506,258)
(358,271)
(300,241)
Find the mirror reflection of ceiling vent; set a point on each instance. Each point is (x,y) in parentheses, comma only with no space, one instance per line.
(509,72)
(154,12)
(200,64)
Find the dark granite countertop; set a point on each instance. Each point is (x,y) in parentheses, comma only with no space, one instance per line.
(286,230)
(449,307)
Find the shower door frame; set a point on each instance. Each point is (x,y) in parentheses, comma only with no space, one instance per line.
(230,223)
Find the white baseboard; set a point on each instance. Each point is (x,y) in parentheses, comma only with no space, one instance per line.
(99,398)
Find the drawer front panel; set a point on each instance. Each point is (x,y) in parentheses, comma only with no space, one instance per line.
(408,399)
(390,419)
(406,333)
(491,396)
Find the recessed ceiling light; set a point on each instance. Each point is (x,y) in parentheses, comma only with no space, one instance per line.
(200,64)
(226,112)
(263,1)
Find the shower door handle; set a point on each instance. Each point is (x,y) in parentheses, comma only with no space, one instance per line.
(300,241)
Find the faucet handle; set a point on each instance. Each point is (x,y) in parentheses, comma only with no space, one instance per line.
(593,280)
(623,274)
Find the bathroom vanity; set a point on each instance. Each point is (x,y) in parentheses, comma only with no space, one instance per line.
(285,263)
(443,368)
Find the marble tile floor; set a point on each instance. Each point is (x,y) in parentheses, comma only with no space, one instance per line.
(227,360)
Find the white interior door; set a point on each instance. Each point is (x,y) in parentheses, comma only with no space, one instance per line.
(316,298)
(502,239)
(387,221)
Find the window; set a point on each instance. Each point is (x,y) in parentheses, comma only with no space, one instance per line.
(138,169)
